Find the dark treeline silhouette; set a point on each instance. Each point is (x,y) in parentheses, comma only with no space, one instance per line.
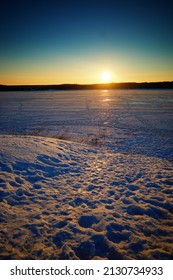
(144,85)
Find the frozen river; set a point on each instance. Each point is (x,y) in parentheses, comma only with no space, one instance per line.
(126,121)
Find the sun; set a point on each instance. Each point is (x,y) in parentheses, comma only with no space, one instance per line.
(106,77)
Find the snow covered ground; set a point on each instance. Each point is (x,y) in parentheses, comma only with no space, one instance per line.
(86,175)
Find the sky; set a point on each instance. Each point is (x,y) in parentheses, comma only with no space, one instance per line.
(56,42)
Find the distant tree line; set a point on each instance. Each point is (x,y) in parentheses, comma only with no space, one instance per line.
(144,85)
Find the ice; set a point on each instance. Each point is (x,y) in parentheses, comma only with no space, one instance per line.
(130,121)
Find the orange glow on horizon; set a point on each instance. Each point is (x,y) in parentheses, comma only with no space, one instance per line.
(79,74)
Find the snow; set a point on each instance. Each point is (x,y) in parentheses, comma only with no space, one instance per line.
(86,175)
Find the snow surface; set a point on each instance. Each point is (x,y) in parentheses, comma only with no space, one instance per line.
(86,175)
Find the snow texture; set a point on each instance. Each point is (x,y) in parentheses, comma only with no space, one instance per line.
(86,175)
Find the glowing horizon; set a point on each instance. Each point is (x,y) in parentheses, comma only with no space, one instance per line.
(86,73)
(76,43)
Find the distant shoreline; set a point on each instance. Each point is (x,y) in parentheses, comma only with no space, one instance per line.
(131,85)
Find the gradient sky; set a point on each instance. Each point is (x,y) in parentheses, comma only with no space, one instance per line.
(54,42)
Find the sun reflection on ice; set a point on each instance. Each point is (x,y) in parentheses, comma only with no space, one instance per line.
(106,95)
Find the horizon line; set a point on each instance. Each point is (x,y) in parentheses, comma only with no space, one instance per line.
(75,86)
(84,84)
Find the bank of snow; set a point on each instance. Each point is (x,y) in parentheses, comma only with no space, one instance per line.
(61,200)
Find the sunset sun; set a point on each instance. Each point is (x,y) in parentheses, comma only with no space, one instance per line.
(106,77)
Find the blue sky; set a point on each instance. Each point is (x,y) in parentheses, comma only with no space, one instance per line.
(51,42)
